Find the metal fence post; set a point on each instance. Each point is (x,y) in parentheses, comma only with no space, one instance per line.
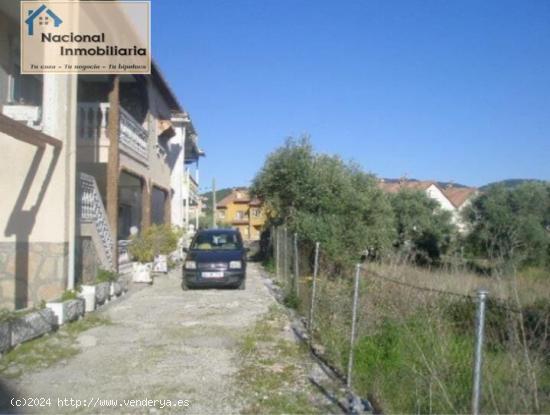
(353,323)
(478,356)
(296,269)
(285,256)
(313,292)
(277,253)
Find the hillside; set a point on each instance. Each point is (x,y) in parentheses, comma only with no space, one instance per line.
(220,194)
(510,183)
(440,184)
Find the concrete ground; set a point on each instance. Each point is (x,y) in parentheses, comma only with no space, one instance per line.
(162,343)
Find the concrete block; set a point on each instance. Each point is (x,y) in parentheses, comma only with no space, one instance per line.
(102,292)
(5,336)
(32,325)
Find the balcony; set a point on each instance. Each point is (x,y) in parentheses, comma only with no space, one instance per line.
(29,114)
(93,142)
(190,185)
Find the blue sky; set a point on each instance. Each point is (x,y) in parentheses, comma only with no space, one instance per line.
(431,89)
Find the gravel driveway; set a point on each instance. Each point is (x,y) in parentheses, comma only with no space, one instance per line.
(163,343)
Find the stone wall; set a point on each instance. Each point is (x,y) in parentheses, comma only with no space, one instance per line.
(41,269)
(88,262)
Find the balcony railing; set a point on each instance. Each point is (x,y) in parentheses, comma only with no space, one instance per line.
(93,118)
(92,211)
(29,114)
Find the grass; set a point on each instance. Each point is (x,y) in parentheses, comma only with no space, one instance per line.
(269,264)
(49,349)
(272,375)
(69,295)
(427,366)
(530,283)
(414,347)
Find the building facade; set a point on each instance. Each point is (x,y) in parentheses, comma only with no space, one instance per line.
(88,160)
(242,212)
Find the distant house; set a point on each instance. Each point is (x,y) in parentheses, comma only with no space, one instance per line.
(452,199)
(242,212)
(460,197)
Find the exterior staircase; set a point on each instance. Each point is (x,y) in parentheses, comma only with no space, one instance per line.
(93,221)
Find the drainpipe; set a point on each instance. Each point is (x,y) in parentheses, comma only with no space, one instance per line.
(71,156)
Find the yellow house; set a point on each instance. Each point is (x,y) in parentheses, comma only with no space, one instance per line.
(240,211)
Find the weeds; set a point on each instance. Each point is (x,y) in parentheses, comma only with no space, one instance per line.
(49,349)
(68,295)
(104,275)
(271,375)
(416,333)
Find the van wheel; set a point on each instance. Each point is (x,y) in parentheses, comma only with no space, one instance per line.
(242,285)
(184,286)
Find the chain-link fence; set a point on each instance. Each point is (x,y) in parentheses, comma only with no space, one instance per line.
(410,347)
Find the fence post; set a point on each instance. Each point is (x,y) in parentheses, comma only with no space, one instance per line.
(285,257)
(353,322)
(277,253)
(296,269)
(313,289)
(478,356)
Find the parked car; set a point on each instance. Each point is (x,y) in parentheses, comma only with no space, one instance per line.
(215,258)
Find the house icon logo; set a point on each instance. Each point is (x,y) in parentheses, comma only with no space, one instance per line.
(43,14)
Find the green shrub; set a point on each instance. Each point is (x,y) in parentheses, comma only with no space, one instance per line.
(7,315)
(68,295)
(269,264)
(291,300)
(104,275)
(155,240)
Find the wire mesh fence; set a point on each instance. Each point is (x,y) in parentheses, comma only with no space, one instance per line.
(411,347)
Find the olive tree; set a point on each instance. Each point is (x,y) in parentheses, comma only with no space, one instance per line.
(424,230)
(511,225)
(325,199)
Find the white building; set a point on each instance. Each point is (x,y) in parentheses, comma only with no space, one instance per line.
(85,158)
(451,199)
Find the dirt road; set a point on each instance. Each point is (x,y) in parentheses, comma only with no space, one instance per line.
(161,343)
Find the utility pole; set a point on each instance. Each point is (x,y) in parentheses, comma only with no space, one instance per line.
(214,203)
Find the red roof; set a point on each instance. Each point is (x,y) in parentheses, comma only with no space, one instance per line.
(459,195)
(456,195)
(394,187)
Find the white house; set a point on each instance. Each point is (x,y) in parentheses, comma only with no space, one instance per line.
(452,199)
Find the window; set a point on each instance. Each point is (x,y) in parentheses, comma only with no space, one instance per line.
(240,215)
(216,241)
(256,212)
(25,89)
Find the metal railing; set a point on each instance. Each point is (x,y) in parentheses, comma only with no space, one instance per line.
(31,115)
(93,119)
(123,251)
(133,136)
(92,211)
